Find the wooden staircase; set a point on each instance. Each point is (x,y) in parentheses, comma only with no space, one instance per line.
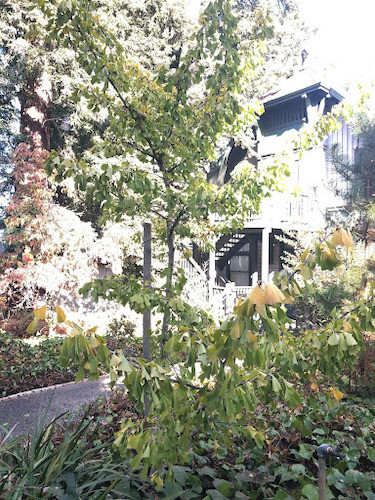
(227,246)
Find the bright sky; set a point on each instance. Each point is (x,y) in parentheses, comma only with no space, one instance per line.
(345,37)
(345,41)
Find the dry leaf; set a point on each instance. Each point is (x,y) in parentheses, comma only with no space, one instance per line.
(273,295)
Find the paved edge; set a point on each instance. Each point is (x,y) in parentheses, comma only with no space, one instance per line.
(49,387)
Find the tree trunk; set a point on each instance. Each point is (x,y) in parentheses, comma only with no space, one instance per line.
(36,99)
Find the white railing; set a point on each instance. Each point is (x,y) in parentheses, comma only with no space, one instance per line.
(196,289)
(220,300)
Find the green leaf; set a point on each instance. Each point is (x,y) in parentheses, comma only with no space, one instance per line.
(299,469)
(304,452)
(276,386)
(216,495)
(225,487)
(334,339)
(310,492)
(350,340)
(281,495)
(207,471)
(180,474)
(371,454)
(80,374)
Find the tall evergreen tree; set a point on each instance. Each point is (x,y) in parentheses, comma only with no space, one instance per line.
(355,180)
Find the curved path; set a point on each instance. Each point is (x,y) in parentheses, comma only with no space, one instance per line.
(21,412)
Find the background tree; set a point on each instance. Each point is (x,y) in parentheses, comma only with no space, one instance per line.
(355,178)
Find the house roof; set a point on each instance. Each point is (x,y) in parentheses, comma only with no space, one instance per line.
(304,81)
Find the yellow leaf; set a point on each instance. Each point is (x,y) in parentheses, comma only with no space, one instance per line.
(335,239)
(288,298)
(115,360)
(251,337)
(235,332)
(61,316)
(158,483)
(347,239)
(273,295)
(256,296)
(87,365)
(342,237)
(305,254)
(73,332)
(94,342)
(41,313)
(238,304)
(314,387)
(33,326)
(261,309)
(335,393)
(347,326)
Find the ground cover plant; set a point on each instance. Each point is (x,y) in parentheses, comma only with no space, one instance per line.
(25,366)
(31,362)
(249,384)
(76,459)
(66,461)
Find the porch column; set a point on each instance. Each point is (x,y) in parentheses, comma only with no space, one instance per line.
(265,253)
(211,274)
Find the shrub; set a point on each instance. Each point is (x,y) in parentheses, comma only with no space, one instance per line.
(363,378)
(120,335)
(18,322)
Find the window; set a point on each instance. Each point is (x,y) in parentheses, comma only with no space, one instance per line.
(239,269)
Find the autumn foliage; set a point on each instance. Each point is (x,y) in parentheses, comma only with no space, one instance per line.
(26,218)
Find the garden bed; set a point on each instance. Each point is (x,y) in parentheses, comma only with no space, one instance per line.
(284,468)
(30,363)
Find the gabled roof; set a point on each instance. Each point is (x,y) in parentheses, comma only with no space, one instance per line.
(304,81)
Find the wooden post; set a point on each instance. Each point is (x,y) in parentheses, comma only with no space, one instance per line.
(146,284)
(211,275)
(265,254)
(322,478)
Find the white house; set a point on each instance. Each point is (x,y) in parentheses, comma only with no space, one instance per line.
(254,252)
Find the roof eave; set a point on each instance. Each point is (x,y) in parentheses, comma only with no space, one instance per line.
(300,92)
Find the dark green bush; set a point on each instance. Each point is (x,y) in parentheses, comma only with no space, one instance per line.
(363,378)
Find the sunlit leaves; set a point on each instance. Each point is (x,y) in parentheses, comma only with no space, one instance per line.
(342,237)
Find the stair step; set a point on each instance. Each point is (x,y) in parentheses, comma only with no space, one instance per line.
(234,239)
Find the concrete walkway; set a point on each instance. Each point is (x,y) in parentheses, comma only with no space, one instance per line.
(22,411)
